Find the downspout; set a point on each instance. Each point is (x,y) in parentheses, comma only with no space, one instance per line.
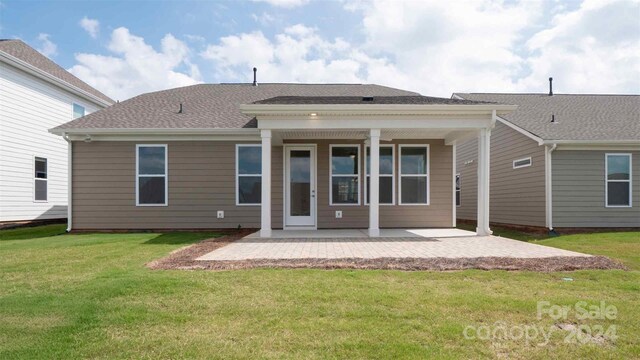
(69,180)
(549,187)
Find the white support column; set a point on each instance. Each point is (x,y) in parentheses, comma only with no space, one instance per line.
(484,166)
(454,207)
(374,183)
(265,207)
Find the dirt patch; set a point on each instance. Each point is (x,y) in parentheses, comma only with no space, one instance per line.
(185,259)
(186,256)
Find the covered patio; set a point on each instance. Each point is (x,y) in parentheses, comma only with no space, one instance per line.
(309,128)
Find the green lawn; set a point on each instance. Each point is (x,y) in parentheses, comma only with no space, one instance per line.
(90,296)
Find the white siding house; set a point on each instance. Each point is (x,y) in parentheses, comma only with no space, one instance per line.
(36,95)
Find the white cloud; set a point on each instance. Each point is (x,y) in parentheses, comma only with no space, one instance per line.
(284,3)
(440,47)
(47,47)
(91,26)
(594,49)
(264,18)
(136,67)
(437,48)
(297,55)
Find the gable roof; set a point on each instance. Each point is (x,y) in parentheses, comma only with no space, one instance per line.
(21,51)
(210,106)
(577,117)
(354,100)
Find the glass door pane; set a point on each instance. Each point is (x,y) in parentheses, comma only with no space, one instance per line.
(300,183)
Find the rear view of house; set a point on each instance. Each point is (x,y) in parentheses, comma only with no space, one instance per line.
(275,156)
(36,95)
(559,161)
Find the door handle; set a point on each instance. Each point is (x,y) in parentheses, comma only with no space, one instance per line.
(313,193)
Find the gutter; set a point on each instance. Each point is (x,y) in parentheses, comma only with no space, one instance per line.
(151,131)
(69,182)
(591,142)
(549,149)
(22,65)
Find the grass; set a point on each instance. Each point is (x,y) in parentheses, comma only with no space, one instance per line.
(32,232)
(90,296)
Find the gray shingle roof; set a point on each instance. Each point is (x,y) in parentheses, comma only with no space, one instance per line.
(210,105)
(26,53)
(350,100)
(578,117)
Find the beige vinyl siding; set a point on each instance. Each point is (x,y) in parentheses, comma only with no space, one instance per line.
(202,181)
(468,152)
(437,214)
(517,196)
(579,190)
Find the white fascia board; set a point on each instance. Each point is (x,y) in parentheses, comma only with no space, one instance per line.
(159,131)
(159,134)
(522,131)
(300,123)
(24,66)
(374,109)
(614,145)
(594,142)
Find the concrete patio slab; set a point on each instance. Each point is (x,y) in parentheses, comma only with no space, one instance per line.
(342,244)
(363,233)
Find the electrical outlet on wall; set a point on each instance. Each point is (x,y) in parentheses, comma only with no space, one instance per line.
(338,214)
(220,214)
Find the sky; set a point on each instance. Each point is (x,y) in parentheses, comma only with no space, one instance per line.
(434,47)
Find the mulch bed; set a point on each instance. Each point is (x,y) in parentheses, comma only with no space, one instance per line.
(185,259)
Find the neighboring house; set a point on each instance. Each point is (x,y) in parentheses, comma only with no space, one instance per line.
(290,156)
(36,95)
(559,161)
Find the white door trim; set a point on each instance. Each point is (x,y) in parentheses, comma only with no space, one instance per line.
(314,186)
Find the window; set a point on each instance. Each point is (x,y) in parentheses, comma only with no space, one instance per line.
(618,180)
(78,111)
(40,176)
(414,172)
(386,183)
(248,174)
(458,191)
(345,175)
(520,163)
(151,175)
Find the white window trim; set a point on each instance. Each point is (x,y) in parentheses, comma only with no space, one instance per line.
(33,171)
(165,176)
(607,181)
(238,175)
(343,175)
(73,112)
(392,176)
(427,175)
(522,166)
(458,190)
